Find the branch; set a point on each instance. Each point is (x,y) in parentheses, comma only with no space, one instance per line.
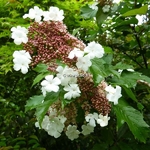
(141,50)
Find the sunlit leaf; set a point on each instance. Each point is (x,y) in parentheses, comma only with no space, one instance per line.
(141,11)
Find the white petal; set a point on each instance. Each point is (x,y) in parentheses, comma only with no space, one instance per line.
(68,96)
(44,83)
(17,41)
(24,69)
(56,81)
(49,78)
(17,67)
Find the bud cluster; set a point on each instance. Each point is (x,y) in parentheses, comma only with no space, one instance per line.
(49,41)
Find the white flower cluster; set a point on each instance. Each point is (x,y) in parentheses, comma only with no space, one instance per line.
(91,51)
(21,61)
(63,77)
(54,14)
(19,34)
(99,119)
(53,125)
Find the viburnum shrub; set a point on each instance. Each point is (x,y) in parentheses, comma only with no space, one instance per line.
(73,76)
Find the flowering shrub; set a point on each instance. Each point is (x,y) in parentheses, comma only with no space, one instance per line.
(73,76)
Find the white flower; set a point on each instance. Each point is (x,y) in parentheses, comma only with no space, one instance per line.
(91,118)
(103,120)
(67,75)
(45,122)
(76,52)
(93,6)
(34,13)
(73,91)
(19,34)
(116,1)
(106,8)
(130,70)
(113,94)
(87,129)
(55,127)
(141,19)
(51,83)
(72,132)
(94,50)
(54,14)
(43,91)
(120,71)
(21,61)
(83,63)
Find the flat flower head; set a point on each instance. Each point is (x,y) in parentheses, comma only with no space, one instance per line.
(94,50)
(72,132)
(103,120)
(50,83)
(83,63)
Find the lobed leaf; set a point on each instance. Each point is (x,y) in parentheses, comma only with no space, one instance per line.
(134,119)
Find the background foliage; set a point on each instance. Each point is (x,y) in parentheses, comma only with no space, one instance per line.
(128,44)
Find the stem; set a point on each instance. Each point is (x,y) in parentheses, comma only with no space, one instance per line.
(135,3)
(141,50)
(134,60)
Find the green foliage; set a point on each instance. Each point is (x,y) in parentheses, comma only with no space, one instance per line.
(41,104)
(134,119)
(141,11)
(88,12)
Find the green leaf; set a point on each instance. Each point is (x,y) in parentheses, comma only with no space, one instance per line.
(88,12)
(134,119)
(108,58)
(122,66)
(141,11)
(107,49)
(34,102)
(43,107)
(145,78)
(100,69)
(127,22)
(40,77)
(40,68)
(128,79)
(130,93)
